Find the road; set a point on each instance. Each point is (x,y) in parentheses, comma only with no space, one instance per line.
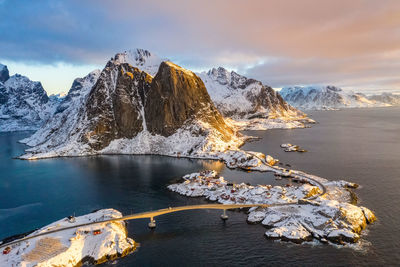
(279,170)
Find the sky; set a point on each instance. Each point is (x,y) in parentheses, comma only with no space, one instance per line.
(353,44)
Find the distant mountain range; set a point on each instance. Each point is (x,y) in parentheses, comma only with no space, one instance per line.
(332,97)
(24,104)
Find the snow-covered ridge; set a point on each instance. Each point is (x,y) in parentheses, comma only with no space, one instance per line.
(92,244)
(326,97)
(24,104)
(250,103)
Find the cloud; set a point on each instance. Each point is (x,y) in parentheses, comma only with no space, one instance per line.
(281,42)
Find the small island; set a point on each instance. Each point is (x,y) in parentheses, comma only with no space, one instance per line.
(67,243)
(292,148)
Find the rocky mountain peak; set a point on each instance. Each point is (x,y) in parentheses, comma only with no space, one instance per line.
(140,58)
(4,74)
(177,96)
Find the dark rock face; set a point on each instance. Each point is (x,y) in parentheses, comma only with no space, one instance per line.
(116,111)
(3,94)
(178,96)
(125,101)
(4,74)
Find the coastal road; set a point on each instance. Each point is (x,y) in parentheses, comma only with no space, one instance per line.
(280,170)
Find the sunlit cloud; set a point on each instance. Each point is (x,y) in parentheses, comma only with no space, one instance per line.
(354,44)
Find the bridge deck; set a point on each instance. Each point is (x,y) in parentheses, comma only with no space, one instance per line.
(149,214)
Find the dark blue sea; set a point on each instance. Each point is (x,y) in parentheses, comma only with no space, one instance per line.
(359,145)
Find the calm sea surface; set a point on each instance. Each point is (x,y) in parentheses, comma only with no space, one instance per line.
(359,145)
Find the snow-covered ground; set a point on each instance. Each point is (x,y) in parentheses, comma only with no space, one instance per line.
(73,247)
(293,216)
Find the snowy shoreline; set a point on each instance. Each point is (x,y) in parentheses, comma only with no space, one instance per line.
(93,244)
(297,213)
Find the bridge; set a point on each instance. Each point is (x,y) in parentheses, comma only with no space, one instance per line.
(151,215)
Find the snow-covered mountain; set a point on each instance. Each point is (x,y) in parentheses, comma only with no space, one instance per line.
(386,98)
(325,97)
(249,102)
(129,111)
(24,104)
(66,114)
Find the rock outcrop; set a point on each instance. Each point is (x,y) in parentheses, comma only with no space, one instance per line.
(4,74)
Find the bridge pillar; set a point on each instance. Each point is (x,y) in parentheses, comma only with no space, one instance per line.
(224,216)
(152,223)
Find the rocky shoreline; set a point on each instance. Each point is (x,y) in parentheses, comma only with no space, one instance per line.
(299,211)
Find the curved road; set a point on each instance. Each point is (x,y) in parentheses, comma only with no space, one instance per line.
(319,184)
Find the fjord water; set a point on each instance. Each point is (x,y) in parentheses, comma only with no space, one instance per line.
(360,145)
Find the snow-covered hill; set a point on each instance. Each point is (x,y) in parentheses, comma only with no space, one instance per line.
(249,102)
(325,97)
(24,104)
